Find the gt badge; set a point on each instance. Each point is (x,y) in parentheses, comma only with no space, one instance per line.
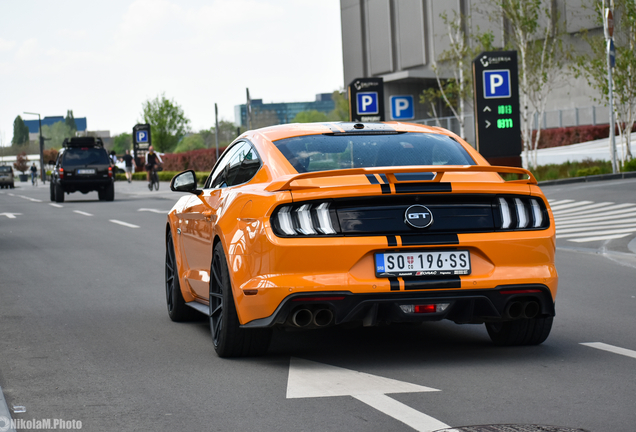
(418,216)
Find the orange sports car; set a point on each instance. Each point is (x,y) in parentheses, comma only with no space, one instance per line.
(316,225)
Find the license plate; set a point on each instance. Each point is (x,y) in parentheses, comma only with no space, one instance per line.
(418,263)
(86,171)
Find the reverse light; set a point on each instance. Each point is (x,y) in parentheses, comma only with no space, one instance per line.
(522,217)
(536,213)
(425,308)
(324,220)
(304,219)
(285,222)
(505,213)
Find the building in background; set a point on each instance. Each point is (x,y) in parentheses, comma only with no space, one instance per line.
(268,114)
(399,40)
(34,125)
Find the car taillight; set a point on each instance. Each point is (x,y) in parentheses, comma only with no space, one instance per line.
(306,219)
(521,213)
(61,173)
(110,172)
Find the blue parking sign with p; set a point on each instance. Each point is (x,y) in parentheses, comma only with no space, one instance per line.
(497,84)
(142,136)
(402,108)
(367,103)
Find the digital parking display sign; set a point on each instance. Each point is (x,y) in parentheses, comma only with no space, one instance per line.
(497,115)
(366,100)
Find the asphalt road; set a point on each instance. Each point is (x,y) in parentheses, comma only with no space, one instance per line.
(84,335)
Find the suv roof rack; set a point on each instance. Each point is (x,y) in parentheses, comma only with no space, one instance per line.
(83,142)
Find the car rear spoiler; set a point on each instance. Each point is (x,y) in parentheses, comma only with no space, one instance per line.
(285,183)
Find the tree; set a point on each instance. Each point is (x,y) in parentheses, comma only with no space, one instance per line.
(20,132)
(310,116)
(341,110)
(191,142)
(168,123)
(531,29)
(50,155)
(593,66)
(21,162)
(70,121)
(56,133)
(456,91)
(122,142)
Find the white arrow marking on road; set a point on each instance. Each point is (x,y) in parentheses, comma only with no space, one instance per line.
(487,124)
(611,348)
(309,379)
(82,213)
(154,210)
(11,215)
(126,224)
(487,108)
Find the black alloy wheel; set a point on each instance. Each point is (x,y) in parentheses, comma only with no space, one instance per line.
(520,332)
(230,340)
(178,311)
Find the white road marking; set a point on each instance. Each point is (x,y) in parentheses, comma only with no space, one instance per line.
(56,205)
(611,348)
(5,414)
(126,224)
(557,202)
(153,210)
(606,212)
(594,228)
(11,215)
(580,210)
(599,238)
(10,194)
(29,198)
(309,379)
(82,213)
(595,223)
(599,233)
(569,205)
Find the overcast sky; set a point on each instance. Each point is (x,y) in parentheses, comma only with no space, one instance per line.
(103,59)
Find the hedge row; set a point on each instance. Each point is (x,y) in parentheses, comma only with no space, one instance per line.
(197,160)
(163,176)
(573,135)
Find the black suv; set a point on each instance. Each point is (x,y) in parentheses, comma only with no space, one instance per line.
(83,165)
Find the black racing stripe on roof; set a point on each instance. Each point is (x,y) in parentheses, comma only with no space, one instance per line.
(423,187)
(383,177)
(391,240)
(395,284)
(415,284)
(372,179)
(386,189)
(429,239)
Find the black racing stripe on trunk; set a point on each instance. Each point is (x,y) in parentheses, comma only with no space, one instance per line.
(395,284)
(422,187)
(429,239)
(416,284)
(386,189)
(383,177)
(392,240)
(372,179)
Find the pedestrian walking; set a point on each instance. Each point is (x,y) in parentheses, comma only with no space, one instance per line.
(34,174)
(128,161)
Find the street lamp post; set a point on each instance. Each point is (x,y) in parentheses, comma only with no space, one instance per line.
(42,172)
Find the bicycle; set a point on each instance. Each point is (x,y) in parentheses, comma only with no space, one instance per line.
(154,178)
(34,179)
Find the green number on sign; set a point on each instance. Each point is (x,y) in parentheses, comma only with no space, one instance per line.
(504,123)
(504,109)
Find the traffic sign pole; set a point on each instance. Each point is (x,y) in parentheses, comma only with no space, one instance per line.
(609,32)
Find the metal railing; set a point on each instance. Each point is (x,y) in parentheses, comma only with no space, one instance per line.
(590,115)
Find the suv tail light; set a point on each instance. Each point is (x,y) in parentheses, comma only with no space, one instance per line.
(61,173)
(305,219)
(110,172)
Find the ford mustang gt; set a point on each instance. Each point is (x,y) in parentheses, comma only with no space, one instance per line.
(316,225)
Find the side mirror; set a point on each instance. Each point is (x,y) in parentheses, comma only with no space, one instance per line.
(185,181)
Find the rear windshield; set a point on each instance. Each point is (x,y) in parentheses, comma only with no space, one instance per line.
(85,156)
(332,152)
(5,169)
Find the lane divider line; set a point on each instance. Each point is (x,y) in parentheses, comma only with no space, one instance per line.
(82,213)
(126,224)
(611,348)
(56,205)
(153,210)
(5,415)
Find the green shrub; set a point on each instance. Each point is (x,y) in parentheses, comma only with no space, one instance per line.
(163,176)
(588,171)
(572,169)
(629,165)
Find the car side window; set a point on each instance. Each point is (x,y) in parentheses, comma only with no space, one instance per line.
(250,163)
(220,172)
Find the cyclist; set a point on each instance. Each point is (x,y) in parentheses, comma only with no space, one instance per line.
(152,161)
(34,174)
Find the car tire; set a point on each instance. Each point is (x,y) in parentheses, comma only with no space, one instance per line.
(520,332)
(230,340)
(59,193)
(52,191)
(178,311)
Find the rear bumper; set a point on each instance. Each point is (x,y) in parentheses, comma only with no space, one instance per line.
(464,307)
(85,184)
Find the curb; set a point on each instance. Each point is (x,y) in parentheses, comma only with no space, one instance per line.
(593,178)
